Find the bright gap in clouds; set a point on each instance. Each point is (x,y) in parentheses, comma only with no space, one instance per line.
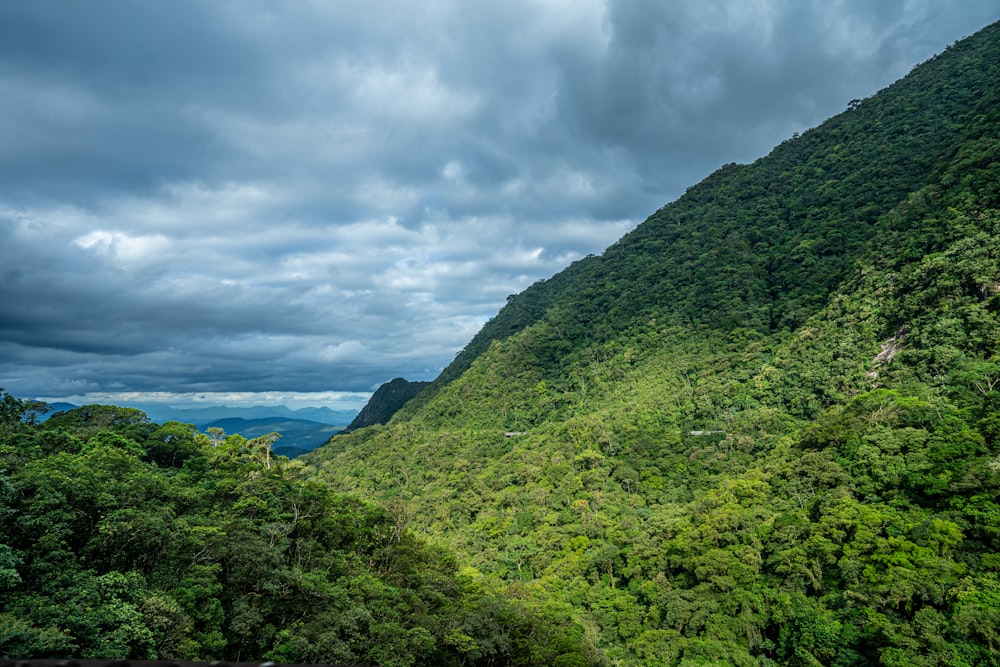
(334,400)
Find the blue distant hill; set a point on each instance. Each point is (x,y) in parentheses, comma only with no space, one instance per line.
(165,413)
(301,430)
(162,413)
(57,407)
(298,436)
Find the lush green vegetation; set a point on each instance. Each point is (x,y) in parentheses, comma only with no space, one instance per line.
(760,429)
(121,538)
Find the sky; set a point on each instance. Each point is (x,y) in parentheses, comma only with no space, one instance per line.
(298,201)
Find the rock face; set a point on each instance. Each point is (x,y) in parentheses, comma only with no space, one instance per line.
(385,402)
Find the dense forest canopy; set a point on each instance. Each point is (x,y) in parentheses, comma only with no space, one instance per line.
(761,429)
(122,538)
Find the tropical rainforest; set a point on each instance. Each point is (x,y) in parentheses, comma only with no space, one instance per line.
(761,429)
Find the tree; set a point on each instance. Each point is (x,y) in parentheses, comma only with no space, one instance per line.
(15,412)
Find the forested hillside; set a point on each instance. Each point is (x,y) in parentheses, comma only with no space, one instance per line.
(122,538)
(760,429)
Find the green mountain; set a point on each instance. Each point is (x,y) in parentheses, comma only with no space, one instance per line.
(760,429)
(385,402)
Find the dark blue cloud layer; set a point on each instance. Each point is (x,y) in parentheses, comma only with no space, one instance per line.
(250,196)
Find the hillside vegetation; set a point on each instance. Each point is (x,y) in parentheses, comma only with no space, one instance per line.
(760,429)
(125,539)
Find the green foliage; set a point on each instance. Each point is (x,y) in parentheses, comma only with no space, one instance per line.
(15,412)
(125,539)
(763,428)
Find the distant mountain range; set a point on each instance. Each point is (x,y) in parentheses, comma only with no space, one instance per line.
(301,430)
(298,436)
(58,407)
(211,413)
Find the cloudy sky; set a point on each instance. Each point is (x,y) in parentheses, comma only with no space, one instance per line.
(318,196)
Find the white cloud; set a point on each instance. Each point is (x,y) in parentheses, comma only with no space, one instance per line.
(351,351)
(336,400)
(125,250)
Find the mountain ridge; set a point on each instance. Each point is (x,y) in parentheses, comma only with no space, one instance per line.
(387,400)
(831,313)
(761,429)
(697,212)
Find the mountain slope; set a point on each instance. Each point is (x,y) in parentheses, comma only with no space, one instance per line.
(761,246)
(763,427)
(385,402)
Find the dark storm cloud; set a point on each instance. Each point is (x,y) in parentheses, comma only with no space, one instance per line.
(252,196)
